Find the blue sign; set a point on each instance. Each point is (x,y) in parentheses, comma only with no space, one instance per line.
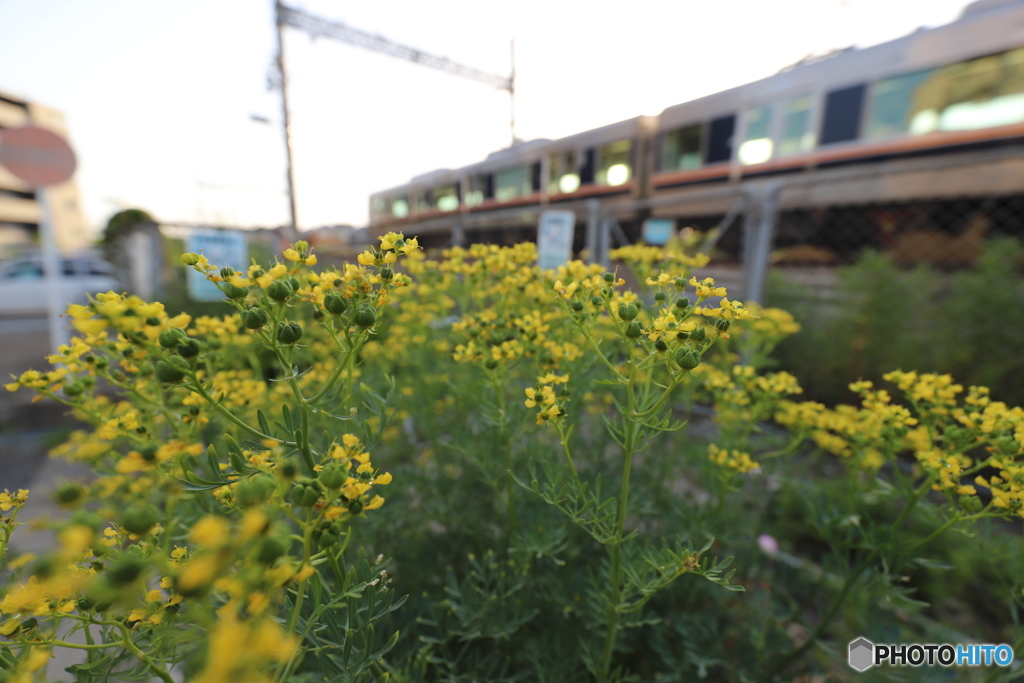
(554,239)
(657,231)
(220,247)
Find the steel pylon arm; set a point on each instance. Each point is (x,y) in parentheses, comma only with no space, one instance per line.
(315,26)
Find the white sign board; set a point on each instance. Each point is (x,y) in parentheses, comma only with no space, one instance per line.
(554,238)
(657,231)
(220,247)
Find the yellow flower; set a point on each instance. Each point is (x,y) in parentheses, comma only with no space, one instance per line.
(210,532)
(387,242)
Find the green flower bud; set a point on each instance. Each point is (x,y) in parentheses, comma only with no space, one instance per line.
(334,476)
(698,335)
(365,316)
(167,373)
(609,277)
(355,506)
(386,274)
(327,539)
(271,549)
(660,296)
(254,490)
(305,493)
(721,324)
(146,369)
(628,311)
(171,337)
(256,317)
(660,345)
(289,332)
(596,301)
(190,259)
(288,470)
(633,330)
(125,571)
(490,363)
(89,519)
(301,246)
(970,504)
(232,292)
(73,389)
(577,306)
(682,303)
(687,359)
(280,290)
(189,349)
(138,519)
(69,494)
(335,304)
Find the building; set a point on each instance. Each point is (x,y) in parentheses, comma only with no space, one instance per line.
(19,203)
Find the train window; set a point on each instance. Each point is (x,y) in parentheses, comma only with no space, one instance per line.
(720,132)
(511,183)
(446,197)
(978,93)
(423,200)
(893,106)
(842,115)
(757,142)
(475,193)
(681,148)
(797,136)
(535,171)
(378,206)
(614,166)
(564,177)
(399,207)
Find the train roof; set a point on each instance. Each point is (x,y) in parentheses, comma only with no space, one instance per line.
(982,28)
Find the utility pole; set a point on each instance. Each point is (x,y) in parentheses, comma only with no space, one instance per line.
(512,93)
(286,120)
(316,26)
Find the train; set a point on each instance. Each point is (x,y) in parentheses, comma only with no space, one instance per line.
(857,148)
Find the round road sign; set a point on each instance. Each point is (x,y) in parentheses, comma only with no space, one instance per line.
(36,155)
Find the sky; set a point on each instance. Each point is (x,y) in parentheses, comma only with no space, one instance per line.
(159,96)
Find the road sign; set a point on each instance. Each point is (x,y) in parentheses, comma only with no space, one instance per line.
(554,238)
(36,155)
(220,247)
(658,230)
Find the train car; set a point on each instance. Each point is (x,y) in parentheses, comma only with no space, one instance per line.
(903,126)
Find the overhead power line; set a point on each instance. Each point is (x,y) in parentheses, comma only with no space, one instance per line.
(316,26)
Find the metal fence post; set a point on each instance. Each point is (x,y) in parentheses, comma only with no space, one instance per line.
(593,230)
(458,238)
(759,230)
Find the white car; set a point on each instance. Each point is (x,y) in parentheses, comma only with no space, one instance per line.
(23,290)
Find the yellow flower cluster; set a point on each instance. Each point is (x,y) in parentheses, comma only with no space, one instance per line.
(734,460)
(543,395)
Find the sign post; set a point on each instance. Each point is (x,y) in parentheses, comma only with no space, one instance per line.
(222,247)
(42,158)
(554,238)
